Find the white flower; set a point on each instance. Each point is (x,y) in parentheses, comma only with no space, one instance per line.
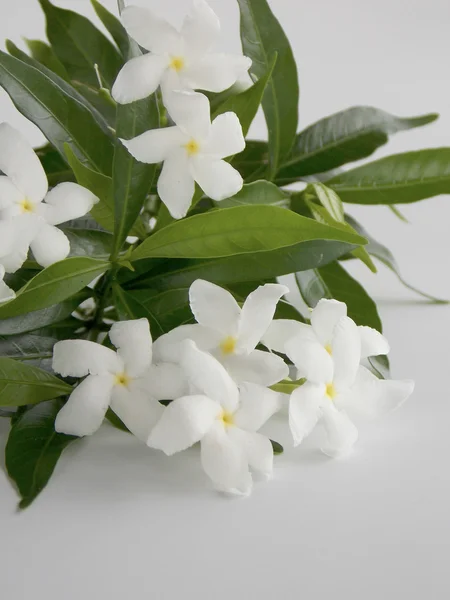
(6,293)
(336,383)
(192,151)
(177,60)
(23,187)
(229,332)
(124,380)
(223,418)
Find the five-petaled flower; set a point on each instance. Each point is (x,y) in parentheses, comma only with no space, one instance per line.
(229,332)
(192,151)
(223,418)
(28,211)
(125,380)
(177,60)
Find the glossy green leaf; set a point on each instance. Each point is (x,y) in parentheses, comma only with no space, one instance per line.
(34,349)
(22,384)
(34,448)
(259,192)
(346,136)
(237,230)
(396,179)
(44,54)
(262,36)
(54,284)
(253,162)
(114,26)
(328,199)
(56,169)
(89,242)
(277,447)
(79,45)
(100,99)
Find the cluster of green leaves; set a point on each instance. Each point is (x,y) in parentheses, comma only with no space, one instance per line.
(63,87)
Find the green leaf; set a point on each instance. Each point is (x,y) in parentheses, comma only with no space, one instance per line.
(396,179)
(276,447)
(33,449)
(55,167)
(258,192)
(60,117)
(114,26)
(333,281)
(44,54)
(35,350)
(89,242)
(79,46)
(261,36)
(252,163)
(328,199)
(22,384)
(54,284)
(246,104)
(238,230)
(100,99)
(346,136)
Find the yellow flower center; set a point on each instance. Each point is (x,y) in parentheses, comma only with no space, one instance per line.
(330,391)
(192,147)
(227,418)
(228,345)
(122,379)
(177,63)
(328,348)
(26,205)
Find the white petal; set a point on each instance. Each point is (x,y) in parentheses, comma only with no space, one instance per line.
(373,343)
(209,377)
(216,72)
(9,193)
(166,381)
(324,318)
(311,360)
(304,410)
(282,330)
(139,78)
(214,307)
(50,245)
(257,449)
(6,293)
(85,410)
(341,432)
(256,405)
(155,145)
(226,138)
(190,111)
(134,343)
(167,348)
(176,185)
(257,314)
(8,236)
(19,162)
(346,353)
(137,410)
(66,201)
(22,229)
(217,178)
(200,29)
(257,367)
(78,358)
(149,30)
(184,423)
(225,462)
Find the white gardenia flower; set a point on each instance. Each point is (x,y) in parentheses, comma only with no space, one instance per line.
(125,380)
(229,332)
(192,151)
(223,418)
(28,211)
(337,384)
(6,293)
(177,60)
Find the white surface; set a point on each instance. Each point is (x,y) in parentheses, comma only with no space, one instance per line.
(120,521)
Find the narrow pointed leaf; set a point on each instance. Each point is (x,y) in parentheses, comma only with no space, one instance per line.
(114,26)
(259,192)
(44,54)
(32,349)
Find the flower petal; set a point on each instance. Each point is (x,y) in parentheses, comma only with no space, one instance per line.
(190,111)
(6,293)
(167,348)
(22,230)
(176,185)
(256,405)
(183,423)
(139,78)
(304,410)
(19,162)
(214,307)
(217,178)
(257,449)
(311,360)
(200,29)
(226,137)
(324,318)
(209,377)
(66,201)
(155,145)
(258,367)
(373,343)
(85,410)
(341,432)
(346,353)
(50,245)
(134,344)
(165,381)
(8,236)
(225,462)
(9,193)
(149,30)
(78,358)
(282,330)
(216,72)
(136,409)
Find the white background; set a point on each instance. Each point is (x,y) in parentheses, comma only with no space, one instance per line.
(120,521)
